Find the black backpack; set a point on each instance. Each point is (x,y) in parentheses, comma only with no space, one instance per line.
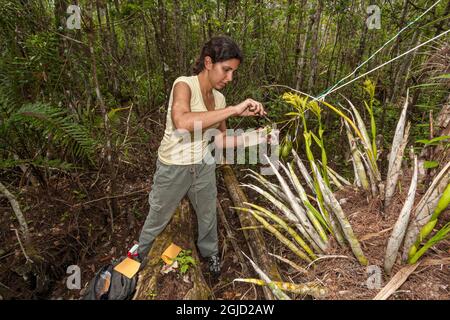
(119,287)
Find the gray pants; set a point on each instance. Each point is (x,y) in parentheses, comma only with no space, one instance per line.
(170,184)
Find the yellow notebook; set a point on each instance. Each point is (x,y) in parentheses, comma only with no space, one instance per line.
(170,253)
(128,267)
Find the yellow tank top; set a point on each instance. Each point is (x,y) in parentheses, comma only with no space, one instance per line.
(187,148)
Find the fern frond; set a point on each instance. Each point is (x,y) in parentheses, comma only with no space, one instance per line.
(56,122)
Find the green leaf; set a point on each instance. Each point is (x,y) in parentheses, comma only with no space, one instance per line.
(295,114)
(437,139)
(112,114)
(47,119)
(433,141)
(443,76)
(425,85)
(430,164)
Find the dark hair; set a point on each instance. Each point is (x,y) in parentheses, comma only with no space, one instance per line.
(219,48)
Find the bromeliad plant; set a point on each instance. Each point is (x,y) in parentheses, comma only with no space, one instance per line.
(364,149)
(414,252)
(302,106)
(440,235)
(426,213)
(313,224)
(305,222)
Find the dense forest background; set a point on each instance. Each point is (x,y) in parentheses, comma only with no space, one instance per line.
(87,105)
(129,52)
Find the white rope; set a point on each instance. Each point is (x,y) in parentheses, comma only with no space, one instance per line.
(328,91)
(387,62)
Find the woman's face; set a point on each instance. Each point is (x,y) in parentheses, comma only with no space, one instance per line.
(220,73)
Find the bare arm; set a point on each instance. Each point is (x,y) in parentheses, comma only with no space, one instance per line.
(222,141)
(183,118)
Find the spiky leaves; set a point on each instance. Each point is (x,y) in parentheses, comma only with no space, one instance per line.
(423,210)
(400,226)
(297,209)
(443,203)
(312,289)
(396,154)
(275,289)
(334,207)
(358,166)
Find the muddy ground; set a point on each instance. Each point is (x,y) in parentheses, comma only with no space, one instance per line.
(71,225)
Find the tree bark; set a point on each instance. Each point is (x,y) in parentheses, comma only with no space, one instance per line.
(112,51)
(315,48)
(298,43)
(16,208)
(302,58)
(330,76)
(110,190)
(179,22)
(395,51)
(254,237)
(178,231)
(285,42)
(401,76)
(159,21)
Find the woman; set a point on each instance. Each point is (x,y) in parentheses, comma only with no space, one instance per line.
(195,103)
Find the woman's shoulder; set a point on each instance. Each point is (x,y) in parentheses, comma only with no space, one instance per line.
(187,79)
(190,82)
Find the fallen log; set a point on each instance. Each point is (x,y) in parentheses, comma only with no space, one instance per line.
(178,231)
(231,238)
(254,237)
(16,208)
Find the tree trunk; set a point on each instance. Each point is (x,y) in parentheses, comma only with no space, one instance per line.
(330,76)
(285,42)
(315,48)
(179,22)
(254,237)
(298,43)
(361,48)
(159,21)
(110,189)
(401,76)
(302,58)
(18,213)
(178,231)
(111,49)
(394,52)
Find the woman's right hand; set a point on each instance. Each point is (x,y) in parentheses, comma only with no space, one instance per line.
(249,107)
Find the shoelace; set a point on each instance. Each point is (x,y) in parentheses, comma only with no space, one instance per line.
(214,263)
